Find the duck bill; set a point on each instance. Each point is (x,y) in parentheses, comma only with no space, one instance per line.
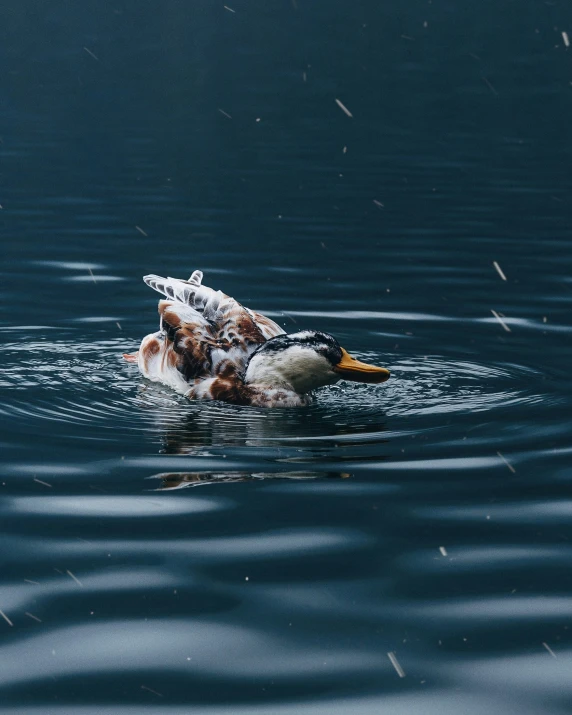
(351,369)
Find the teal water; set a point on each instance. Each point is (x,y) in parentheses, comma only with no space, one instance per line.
(160,556)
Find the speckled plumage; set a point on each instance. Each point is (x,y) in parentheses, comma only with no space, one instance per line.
(204,343)
(211,347)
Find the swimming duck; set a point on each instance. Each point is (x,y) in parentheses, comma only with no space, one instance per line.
(210,347)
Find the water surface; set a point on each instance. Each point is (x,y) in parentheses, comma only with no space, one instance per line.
(161,556)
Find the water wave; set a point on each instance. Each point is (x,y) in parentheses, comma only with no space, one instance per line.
(87,383)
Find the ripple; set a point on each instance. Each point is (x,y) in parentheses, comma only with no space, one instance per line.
(74,382)
(451,463)
(529,512)
(86,383)
(434,702)
(467,612)
(372,315)
(533,674)
(242,552)
(116,506)
(71,265)
(16,597)
(178,645)
(96,278)
(433,385)
(490,559)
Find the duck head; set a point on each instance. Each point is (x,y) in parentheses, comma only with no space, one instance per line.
(305,361)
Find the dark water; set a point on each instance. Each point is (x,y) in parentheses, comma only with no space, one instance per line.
(167,557)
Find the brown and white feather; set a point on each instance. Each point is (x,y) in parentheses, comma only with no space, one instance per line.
(205,340)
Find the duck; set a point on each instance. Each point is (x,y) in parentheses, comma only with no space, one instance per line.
(210,347)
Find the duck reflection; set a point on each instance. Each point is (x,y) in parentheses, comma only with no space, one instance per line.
(186,426)
(180,480)
(325,435)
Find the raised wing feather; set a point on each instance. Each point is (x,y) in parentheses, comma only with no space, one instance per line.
(203,299)
(209,333)
(215,306)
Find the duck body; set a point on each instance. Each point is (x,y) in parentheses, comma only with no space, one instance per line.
(210,347)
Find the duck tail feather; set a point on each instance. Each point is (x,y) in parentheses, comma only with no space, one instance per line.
(173,288)
(196,278)
(191,292)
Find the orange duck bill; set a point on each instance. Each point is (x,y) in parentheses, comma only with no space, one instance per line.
(351,369)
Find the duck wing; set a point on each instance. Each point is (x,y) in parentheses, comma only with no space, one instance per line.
(188,340)
(213,333)
(215,306)
(202,299)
